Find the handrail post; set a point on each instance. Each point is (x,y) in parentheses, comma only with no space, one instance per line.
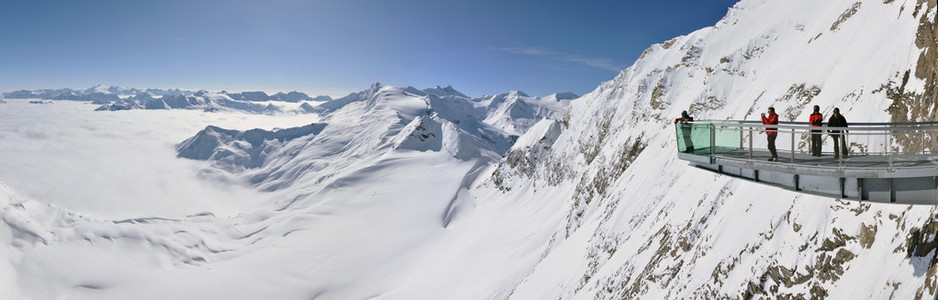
(792,145)
(740,138)
(750,143)
(886,143)
(889,136)
(713,138)
(843,141)
(840,158)
(923,141)
(846,145)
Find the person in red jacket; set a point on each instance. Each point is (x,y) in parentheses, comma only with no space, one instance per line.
(817,120)
(771,132)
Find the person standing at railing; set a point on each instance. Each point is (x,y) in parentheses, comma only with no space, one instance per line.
(771,132)
(817,120)
(685,120)
(840,138)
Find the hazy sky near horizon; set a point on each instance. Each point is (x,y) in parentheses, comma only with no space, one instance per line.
(336,47)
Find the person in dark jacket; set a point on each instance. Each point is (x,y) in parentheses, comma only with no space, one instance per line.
(770,132)
(686,127)
(817,120)
(840,137)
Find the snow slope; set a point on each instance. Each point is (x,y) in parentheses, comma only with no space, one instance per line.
(641,224)
(430,194)
(385,165)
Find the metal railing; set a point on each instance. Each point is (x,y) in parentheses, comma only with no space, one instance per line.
(889,143)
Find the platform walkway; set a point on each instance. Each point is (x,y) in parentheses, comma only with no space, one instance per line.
(827,160)
(892,175)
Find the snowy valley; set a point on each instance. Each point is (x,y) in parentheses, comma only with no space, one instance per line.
(402,193)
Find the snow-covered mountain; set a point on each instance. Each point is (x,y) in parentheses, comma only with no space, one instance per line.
(293,96)
(246,149)
(641,224)
(423,194)
(514,112)
(201,100)
(369,125)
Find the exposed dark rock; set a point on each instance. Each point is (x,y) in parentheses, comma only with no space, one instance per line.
(802,94)
(845,16)
(867,235)
(114,107)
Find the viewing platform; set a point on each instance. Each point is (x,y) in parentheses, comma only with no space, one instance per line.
(886,162)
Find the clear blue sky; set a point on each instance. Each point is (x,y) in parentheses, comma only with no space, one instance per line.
(336,47)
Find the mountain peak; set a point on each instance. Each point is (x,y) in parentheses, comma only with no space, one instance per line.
(377,86)
(560,96)
(322,98)
(100,88)
(518,94)
(444,91)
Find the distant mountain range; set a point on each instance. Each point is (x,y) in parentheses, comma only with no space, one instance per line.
(105,94)
(513,111)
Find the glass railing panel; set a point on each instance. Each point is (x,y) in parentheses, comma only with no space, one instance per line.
(727,138)
(700,135)
(684,137)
